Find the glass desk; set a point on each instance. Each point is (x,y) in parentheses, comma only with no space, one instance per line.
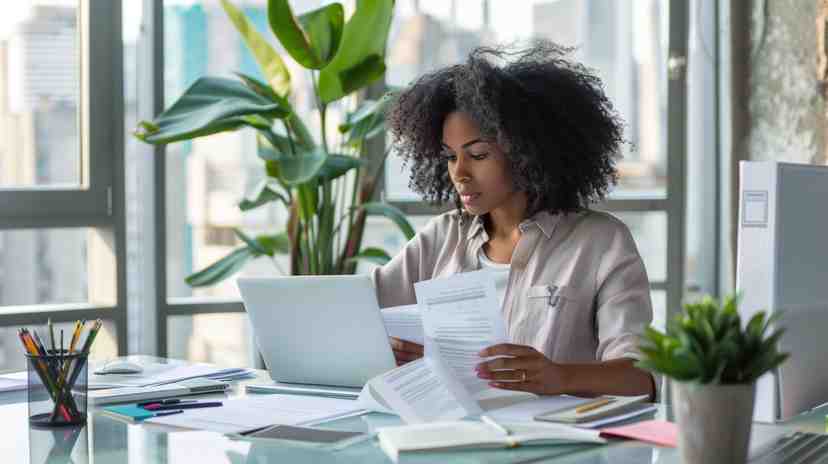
(104,440)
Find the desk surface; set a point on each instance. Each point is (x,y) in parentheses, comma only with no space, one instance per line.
(106,440)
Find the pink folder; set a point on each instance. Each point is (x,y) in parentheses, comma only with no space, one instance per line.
(658,432)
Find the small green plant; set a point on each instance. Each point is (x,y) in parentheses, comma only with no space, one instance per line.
(707,344)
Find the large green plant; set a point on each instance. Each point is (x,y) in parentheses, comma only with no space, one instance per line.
(707,344)
(304,173)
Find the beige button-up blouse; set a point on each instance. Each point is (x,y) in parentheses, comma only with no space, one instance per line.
(577,291)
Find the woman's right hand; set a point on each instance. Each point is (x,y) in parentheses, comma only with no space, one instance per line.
(405,351)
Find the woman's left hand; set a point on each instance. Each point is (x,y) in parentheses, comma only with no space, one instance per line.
(526,369)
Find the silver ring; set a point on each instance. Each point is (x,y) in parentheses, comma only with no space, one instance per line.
(522,375)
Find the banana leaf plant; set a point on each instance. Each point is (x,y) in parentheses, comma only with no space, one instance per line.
(307,175)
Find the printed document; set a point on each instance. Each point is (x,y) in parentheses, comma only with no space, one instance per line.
(461,316)
(241,414)
(418,392)
(404,322)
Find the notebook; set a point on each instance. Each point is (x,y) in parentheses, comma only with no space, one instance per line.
(459,435)
(133,413)
(602,407)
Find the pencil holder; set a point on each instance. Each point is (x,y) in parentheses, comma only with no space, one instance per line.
(57,388)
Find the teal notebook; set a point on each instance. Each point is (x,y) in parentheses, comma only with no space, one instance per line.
(131,412)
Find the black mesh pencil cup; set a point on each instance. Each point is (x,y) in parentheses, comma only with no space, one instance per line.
(57,388)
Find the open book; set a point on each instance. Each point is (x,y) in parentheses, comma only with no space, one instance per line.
(459,435)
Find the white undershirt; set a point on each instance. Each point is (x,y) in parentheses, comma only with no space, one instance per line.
(500,272)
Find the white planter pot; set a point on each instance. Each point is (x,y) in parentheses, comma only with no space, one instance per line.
(713,421)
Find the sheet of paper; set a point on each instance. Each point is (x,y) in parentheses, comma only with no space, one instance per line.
(496,398)
(162,373)
(461,316)
(8,384)
(420,392)
(526,411)
(404,322)
(19,375)
(238,415)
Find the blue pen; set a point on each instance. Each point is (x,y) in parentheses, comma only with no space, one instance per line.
(167,413)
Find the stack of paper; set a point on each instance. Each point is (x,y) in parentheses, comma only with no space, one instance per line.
(161,374)
(14,381)
(198,385)
(253,412)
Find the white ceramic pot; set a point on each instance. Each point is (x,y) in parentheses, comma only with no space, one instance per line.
(713,421)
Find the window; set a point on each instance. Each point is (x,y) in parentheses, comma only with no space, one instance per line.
(59,221)
(625,42)
(206,178)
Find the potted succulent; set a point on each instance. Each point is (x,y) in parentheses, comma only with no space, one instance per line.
(714,363)
(312,177)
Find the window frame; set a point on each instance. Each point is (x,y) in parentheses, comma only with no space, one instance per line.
(673,204)
(98,201)
(91,203)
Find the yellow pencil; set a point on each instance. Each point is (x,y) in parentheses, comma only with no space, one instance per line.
(76,335)
(594,405)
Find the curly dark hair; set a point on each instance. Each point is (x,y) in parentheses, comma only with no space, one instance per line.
(551,116)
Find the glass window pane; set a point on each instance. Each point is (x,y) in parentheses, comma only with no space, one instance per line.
(223,339)
(659,298)
(208,177)
(624,41)
(11,351)
(702,159)
(39,94)
(649,230)
(382,233)
(55,266)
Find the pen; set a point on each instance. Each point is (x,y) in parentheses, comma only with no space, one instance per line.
(166,401)
(594,405)
(163,407)
(500,428)
(168,413)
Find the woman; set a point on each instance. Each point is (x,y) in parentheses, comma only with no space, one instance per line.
(522,149)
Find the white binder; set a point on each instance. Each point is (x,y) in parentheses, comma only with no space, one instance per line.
(782,264)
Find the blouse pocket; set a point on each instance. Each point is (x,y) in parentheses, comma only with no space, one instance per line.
(546,313)
(550,296)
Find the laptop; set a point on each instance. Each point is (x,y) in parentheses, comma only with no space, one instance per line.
(318,330)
